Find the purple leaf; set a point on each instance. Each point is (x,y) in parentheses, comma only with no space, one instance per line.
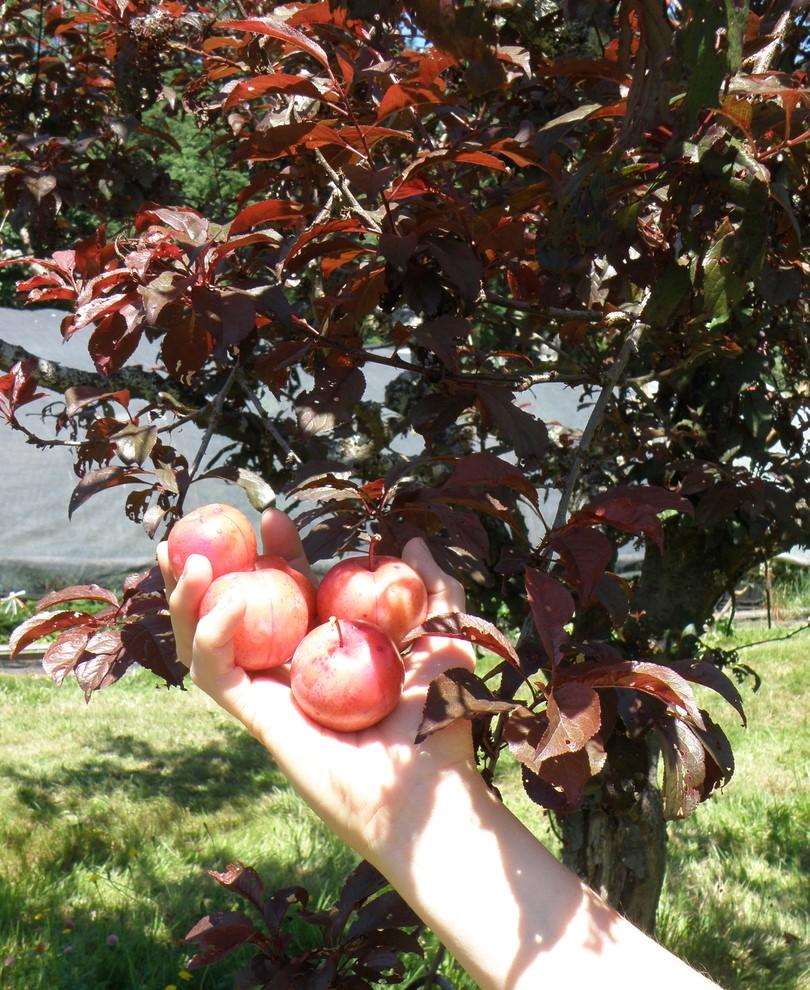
(472,628)
(552,608)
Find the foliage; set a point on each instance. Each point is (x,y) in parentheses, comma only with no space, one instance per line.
(437,179)
(360,939)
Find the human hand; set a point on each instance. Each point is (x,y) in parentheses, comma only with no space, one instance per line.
(368,786)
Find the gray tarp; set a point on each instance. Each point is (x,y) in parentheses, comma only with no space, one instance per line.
(39,546)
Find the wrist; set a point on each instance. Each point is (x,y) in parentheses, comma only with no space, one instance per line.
(398,825)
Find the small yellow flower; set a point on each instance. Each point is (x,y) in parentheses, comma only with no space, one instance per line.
(38,917)
(170,986)
(185,975)
(66,931)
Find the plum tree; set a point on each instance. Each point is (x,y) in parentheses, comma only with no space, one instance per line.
(513,199)
(276,615)
(218,532)
(347,675)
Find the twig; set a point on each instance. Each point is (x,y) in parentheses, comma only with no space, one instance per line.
(775,639)
(436,961)
(342,184)
(268,424)
(216,412)
(595,419)
(555,312)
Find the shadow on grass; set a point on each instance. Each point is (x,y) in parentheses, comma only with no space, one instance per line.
(197,778)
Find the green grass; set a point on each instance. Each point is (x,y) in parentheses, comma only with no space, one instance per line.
(109,814)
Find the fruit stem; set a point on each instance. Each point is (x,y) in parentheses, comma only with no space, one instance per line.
(333,622)
(372,550)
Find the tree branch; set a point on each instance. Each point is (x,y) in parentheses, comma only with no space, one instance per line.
(595,420)
(267,423)
(345,190)
(153,388)
(551,311)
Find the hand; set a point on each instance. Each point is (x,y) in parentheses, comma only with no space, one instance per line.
(367,786)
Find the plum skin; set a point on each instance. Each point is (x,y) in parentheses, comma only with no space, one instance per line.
(276,616)
(269,562)
(216,531)
(385,592)
(346,675)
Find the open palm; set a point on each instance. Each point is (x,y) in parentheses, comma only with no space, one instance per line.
(363,783)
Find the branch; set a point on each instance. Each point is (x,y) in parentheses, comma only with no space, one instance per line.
(595,420)
(775,639)
(551,311)
(267,423)
(216,413)
(59,378)
(341,183)
(153,388)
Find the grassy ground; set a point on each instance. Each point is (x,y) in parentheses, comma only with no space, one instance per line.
(110,813)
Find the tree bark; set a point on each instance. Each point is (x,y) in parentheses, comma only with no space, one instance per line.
(619,847)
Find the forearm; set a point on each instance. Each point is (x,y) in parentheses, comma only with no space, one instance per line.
(511,914)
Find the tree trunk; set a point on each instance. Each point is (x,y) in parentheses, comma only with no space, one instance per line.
(618,846)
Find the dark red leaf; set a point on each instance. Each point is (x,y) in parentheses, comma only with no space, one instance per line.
(561,782)
(364,881)
(684,768)
(217,935)
(487,471)
(149,641)
(552,608)
(651,678)
(18,387)
(515,426)
(186,224)
(274,27)
(388,910)
(63,654)
(44,624)
(77,592)
(98,670)
(276,82)
(634,509)
(613,594)
(472,628)
(275,211)
(100,480)
(455,694)
(81,396)
(709,675)
(242,880)
(586,553)
(574,717)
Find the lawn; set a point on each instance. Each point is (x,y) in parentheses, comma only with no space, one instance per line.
(110,813)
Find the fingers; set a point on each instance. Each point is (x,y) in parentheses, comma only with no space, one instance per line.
(280,537)
(445,593)
(162,554)
(184,603)
(213,669)
(213,639)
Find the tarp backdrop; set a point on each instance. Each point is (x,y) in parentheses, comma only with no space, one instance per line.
(41,548)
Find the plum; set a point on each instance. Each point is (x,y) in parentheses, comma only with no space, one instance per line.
(382,590)
(269,562)
(218,532)
(346,675)
(276,615)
